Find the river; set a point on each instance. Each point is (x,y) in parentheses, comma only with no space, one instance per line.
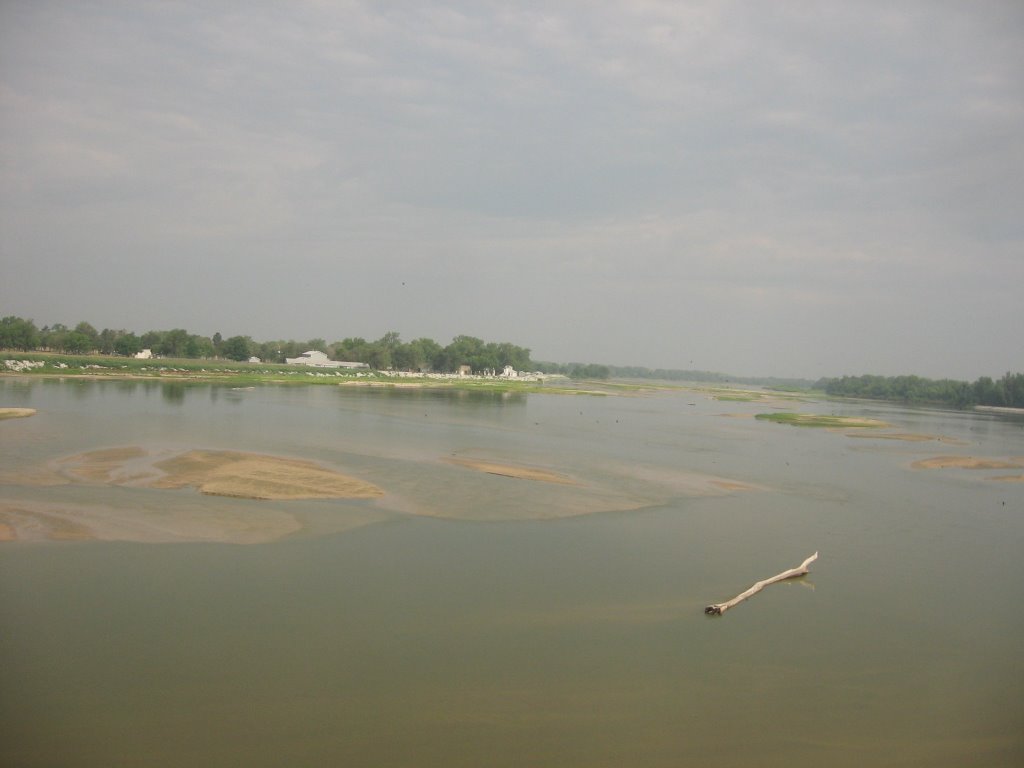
(470,619)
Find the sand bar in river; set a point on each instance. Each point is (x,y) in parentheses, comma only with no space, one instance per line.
(16,413)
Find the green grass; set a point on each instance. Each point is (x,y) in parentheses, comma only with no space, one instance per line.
(241,374)
(819,420)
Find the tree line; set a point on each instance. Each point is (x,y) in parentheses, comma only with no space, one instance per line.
(1005,392)
(711,377)
(576,370)
(387,352)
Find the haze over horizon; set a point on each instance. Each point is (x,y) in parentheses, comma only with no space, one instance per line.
(781,189)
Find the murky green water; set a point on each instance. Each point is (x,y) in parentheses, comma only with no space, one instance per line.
(416,641)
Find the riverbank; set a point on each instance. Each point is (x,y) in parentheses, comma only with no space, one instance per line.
(239,374)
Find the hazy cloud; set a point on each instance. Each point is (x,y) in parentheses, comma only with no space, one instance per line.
(783,188)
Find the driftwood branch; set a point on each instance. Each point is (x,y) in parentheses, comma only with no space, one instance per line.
(719,608)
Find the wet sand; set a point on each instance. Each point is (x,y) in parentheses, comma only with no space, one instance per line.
(969,462)
(42,521)
(273,483)
(510,470)
(254,476)
(217,473)
(232,474)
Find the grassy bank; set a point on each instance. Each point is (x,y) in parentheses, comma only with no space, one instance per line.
(242,374)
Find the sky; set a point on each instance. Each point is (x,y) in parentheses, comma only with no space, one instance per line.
(765,189)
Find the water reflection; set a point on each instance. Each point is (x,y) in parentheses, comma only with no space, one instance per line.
(173,392)
(127,386)
(447,396)
(82,388)
(18,392)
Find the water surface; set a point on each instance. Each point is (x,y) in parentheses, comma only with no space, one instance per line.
(419,638)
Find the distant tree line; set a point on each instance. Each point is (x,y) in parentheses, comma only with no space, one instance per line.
(387,352)
(575,370)
(671,374)
(1006,392)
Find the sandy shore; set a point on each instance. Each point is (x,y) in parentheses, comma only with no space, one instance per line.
(16,413)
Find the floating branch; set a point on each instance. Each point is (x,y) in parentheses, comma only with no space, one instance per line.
(719,608)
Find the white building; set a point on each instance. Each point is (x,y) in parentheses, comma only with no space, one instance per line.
(317,359)
(146,354)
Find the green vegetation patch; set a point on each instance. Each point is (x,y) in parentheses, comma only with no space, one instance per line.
(237,374)
(737,395)
(819,420)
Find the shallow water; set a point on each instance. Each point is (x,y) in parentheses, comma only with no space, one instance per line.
(432,640)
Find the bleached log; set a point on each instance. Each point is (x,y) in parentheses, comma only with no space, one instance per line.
(719,608)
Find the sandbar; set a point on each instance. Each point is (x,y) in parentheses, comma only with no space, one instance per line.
(232,474)
(16,413)
(218,473)
(31,520)
(659,482)
(1008,478)
(102,466)
(511,470)
(969,462)
(255,476)
(833,423)
(908,437)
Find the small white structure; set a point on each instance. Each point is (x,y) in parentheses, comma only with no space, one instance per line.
(317,359)
(509,373)
(255,359)
(146,354)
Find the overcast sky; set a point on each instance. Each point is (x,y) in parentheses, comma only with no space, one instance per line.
(759,188)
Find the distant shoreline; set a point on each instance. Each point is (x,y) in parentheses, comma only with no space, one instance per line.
(998,409)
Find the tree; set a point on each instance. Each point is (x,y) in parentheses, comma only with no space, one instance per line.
(510,354)
(17,333)
(354,350)
(173,343)
(426,353)
(52,337)
(127,344)
(465,350)
(76,343)
(89,332)
(277,351)
(152,339)
(237,348)
(1013,389)
(198,346)
(588,371)
(407,357)
(106,340)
